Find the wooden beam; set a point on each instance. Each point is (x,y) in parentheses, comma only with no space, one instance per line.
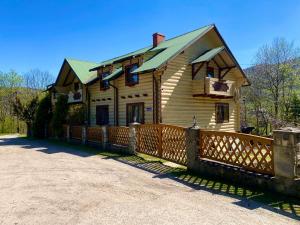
(227,71)
(194,72)
(65,80)
(223,60)
(213,96)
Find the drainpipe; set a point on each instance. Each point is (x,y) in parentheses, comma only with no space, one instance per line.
(116,104)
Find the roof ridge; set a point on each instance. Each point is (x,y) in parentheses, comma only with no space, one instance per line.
(209,25)
(79,60)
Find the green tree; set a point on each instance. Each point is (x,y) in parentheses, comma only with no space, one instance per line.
(59,115)
(26,112)
(42,117)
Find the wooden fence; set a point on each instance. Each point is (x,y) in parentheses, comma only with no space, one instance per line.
(250,152)
(94,135)
(76,132)
(118,135)
(163,141)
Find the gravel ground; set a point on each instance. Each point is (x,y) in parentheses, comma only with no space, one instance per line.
(42,183)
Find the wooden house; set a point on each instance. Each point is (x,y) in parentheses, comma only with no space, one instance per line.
(170,82)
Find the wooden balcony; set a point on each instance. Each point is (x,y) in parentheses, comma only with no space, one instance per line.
(73,97)
(214,88)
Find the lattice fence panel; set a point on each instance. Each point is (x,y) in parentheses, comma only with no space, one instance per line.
(250,152)
(76,132)
(118,135)
(94,134)
(149,139)
(174,144)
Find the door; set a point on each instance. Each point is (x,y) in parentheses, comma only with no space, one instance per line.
(102,115)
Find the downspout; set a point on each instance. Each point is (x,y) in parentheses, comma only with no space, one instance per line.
(88,105)
(116,104)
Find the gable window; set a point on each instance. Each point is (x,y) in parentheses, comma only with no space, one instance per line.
(104,84)
(76,86)
(102,115)
(210,72)
(131,78)
(222,112)
(135,113)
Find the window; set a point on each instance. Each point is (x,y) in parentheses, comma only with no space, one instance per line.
(222,112)
(104,84)
(102,115)
(135,113)
(210,72)
(76,86)
(131,78)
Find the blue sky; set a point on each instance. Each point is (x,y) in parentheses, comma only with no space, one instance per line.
(40,34)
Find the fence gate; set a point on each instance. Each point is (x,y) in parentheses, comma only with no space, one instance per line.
(163,141)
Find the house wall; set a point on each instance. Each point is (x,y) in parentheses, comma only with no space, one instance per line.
(141,92)
(177,89)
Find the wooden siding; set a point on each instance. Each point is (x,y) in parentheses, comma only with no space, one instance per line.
(143,88)
(100,97)
(179,106)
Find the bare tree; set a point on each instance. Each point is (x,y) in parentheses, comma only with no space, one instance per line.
(37,80)
(275,69)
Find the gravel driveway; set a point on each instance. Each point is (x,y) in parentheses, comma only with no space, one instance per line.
(43,183)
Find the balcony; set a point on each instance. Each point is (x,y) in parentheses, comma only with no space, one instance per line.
(214,88)
(73,97)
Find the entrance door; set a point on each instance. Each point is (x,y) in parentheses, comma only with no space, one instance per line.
(102,115)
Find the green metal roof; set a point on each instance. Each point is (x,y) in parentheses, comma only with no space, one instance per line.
(81,69)
(114,74)
(111,61)
(166,50)
(208,55)
(170,48)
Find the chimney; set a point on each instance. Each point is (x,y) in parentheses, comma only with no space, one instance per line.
(157,39)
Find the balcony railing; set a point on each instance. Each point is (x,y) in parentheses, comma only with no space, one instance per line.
(72,96)
(214,86)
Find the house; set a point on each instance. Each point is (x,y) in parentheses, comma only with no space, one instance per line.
(170,82)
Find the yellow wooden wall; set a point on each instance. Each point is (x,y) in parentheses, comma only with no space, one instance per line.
(178,104)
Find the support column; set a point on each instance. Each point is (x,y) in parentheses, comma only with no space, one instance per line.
(287,153)
(133,138)
(68,133)
(104,137)
(192,146)
(83,137)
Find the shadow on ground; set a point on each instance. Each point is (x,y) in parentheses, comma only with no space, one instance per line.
(248,198)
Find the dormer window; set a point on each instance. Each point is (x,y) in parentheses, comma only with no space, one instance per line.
(131,78)
(104,84)
(210,72)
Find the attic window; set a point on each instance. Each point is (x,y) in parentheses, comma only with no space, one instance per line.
(104,84)
(131,78)
(210,72)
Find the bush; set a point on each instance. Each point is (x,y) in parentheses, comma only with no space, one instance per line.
(76,115)
(59,115)
(42,117)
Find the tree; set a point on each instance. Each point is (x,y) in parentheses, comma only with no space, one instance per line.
(59,115)
(42,117)
(275,70)
(26,112)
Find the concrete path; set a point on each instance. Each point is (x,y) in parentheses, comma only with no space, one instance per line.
(42,183)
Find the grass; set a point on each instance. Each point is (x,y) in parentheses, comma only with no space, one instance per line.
(247,197)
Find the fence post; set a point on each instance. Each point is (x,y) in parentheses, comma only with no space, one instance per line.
(83,135)
(68,133)
(133,138)
(104,137)
(192,146)
(287,152)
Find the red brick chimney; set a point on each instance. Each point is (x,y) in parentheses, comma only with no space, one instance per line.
(157,39)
